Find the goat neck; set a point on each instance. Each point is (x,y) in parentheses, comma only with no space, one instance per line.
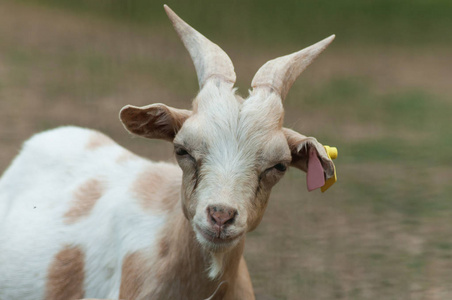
(185,264)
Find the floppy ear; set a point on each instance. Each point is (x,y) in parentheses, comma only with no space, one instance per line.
(301,146)
(155,121)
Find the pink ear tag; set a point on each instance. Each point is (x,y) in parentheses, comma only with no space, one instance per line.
(314,178)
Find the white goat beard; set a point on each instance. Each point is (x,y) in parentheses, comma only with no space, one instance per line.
(216,265)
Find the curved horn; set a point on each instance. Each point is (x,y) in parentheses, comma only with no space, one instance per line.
(209,59)
(280,73)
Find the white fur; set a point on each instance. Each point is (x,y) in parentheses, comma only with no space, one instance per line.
(32,229)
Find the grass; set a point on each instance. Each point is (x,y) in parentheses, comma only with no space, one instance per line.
(374,22)
(382,232)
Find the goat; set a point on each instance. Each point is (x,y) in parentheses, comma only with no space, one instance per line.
(83,217)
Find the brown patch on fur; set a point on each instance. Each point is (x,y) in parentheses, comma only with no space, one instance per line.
(158,188)
(66,275)
(243,288)
(163,247)
(85,197)
(125,157)
(98,140)
(134,274)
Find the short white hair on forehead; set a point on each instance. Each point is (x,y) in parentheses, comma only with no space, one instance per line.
(218,104)
(230,132)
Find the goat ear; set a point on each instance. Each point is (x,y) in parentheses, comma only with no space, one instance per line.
(155,121)
(302,148)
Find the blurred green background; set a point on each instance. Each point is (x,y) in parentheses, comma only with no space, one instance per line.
(381,93)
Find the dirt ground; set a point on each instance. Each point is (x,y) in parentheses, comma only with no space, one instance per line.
(382,232)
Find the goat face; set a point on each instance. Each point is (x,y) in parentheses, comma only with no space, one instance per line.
(232,151)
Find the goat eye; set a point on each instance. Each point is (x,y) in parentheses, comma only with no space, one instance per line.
(280,167)
(181,151)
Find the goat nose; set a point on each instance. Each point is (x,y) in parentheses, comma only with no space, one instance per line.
(221,216)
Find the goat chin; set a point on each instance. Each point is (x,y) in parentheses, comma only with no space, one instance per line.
(217,247)
(218,253)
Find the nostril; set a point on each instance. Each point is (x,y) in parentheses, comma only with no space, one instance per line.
(230,221)
(231,216)
(213,220)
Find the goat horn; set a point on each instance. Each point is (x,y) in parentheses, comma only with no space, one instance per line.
(280,73)
(209,59)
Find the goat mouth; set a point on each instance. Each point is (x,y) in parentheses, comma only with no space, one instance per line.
(222,239)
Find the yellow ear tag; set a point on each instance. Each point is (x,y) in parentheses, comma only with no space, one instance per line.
(332,154)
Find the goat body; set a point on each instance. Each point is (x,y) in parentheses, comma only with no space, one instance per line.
(75,205)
